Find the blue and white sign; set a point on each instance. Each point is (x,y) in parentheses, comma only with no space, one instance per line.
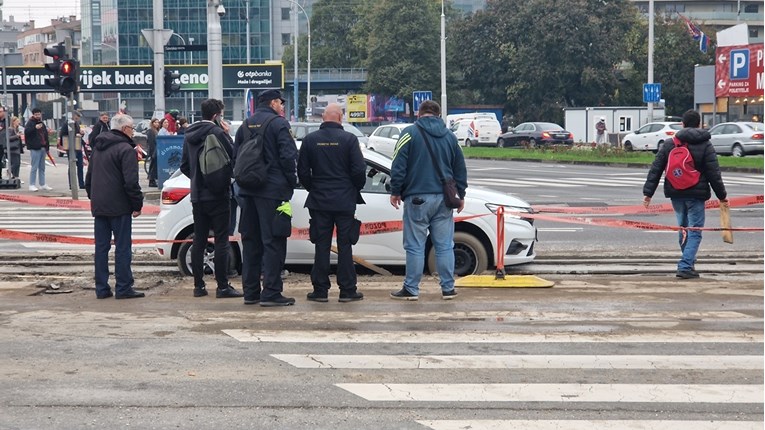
(419,97)
(739,64)
(651,93)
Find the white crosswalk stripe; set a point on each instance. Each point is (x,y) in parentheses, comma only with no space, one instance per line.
(398,378)
(32,219)
(603,181)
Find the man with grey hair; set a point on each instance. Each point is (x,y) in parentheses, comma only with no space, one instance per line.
(416,182)
(115,198)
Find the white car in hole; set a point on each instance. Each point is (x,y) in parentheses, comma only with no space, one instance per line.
(475,237)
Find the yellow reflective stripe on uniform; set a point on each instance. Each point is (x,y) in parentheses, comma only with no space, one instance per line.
(403,140)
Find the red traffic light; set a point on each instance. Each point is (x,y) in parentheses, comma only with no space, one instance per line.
(67,68)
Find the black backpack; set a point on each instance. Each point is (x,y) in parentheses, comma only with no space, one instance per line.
(251,168)
(215,165)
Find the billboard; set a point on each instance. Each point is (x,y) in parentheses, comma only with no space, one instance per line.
(739,71)
(356,108)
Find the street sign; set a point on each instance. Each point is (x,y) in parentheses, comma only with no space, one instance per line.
(185,48)
(739,70)
(651,93)
(419,97)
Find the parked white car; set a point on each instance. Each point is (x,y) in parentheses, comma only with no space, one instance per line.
(475,238)
(384,138)
(737,138)
(477,132)
(651,136)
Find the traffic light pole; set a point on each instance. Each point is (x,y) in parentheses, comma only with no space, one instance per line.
(74,183)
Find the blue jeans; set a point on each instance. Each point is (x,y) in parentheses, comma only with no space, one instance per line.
(37,165)
(431,215)
(121,226)
(689,213)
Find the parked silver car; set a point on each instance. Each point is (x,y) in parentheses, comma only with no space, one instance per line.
(738,138)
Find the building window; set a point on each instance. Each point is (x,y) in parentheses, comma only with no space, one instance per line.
(752,8)
(286,39)
(285,14)
(754,33)
(674,7)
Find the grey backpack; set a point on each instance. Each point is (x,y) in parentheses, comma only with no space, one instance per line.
(215,165)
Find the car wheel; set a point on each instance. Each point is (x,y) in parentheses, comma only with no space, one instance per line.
(467,143)
(501,143)
(628,146)
(737,151)
(658,145)
(532,143)
(470,256)
(208,258)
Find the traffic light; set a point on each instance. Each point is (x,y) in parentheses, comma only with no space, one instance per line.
(171,86)
(64,70)
(68,81)
(57,54)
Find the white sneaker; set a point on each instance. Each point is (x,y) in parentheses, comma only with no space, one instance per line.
(33,188)
(46,188)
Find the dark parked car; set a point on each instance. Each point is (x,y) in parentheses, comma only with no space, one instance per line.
(531,134)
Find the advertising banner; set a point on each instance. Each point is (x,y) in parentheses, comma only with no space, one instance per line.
(95,79)
(739,71)
(357,108)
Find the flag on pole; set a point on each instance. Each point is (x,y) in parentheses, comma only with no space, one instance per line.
(697,34)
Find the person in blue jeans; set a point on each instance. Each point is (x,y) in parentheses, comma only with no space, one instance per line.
(415,181)
(115,199)
(688,203)
(36,138)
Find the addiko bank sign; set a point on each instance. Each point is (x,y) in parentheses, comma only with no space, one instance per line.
(23,79)
(739,71)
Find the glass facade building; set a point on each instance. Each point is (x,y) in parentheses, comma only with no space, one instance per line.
(111,35)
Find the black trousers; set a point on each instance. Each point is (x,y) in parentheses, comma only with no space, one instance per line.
(261,250)
(211,216)
(323,224)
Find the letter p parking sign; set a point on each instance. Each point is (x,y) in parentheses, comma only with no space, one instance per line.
(739,64)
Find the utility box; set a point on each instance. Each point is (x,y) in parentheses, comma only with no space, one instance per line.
(620,120)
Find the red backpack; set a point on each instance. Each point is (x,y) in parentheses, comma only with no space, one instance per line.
(681,170)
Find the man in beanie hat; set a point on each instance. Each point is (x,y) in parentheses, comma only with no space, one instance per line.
(264,249)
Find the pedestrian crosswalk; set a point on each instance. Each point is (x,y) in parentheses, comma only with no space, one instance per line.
(693,379)
(627,180)
(33,219)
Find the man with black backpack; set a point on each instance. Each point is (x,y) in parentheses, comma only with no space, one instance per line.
(209,201)
(686,184)
(264,198)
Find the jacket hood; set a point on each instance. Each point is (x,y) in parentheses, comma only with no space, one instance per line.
(434,125)
(111,138)
(693,135)
(197,132)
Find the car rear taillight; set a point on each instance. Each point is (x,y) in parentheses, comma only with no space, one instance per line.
(571,136)
(758,136)
(171,196)
(670,132)
(545,135)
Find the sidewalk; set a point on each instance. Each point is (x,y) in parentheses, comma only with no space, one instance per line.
(58,178)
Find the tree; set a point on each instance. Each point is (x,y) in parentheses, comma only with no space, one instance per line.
(331,43)
(400,40)
(547,54)
(675,57)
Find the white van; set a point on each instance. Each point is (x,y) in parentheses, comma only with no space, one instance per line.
(477,132)
(451,119)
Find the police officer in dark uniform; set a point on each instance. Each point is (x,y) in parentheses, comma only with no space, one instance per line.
(262,250)
(332,169)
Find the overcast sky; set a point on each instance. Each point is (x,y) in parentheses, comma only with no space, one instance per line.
(42,11)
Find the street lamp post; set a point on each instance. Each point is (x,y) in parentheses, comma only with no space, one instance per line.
(443,62)
(191,61)
(308,64)
(185,60)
